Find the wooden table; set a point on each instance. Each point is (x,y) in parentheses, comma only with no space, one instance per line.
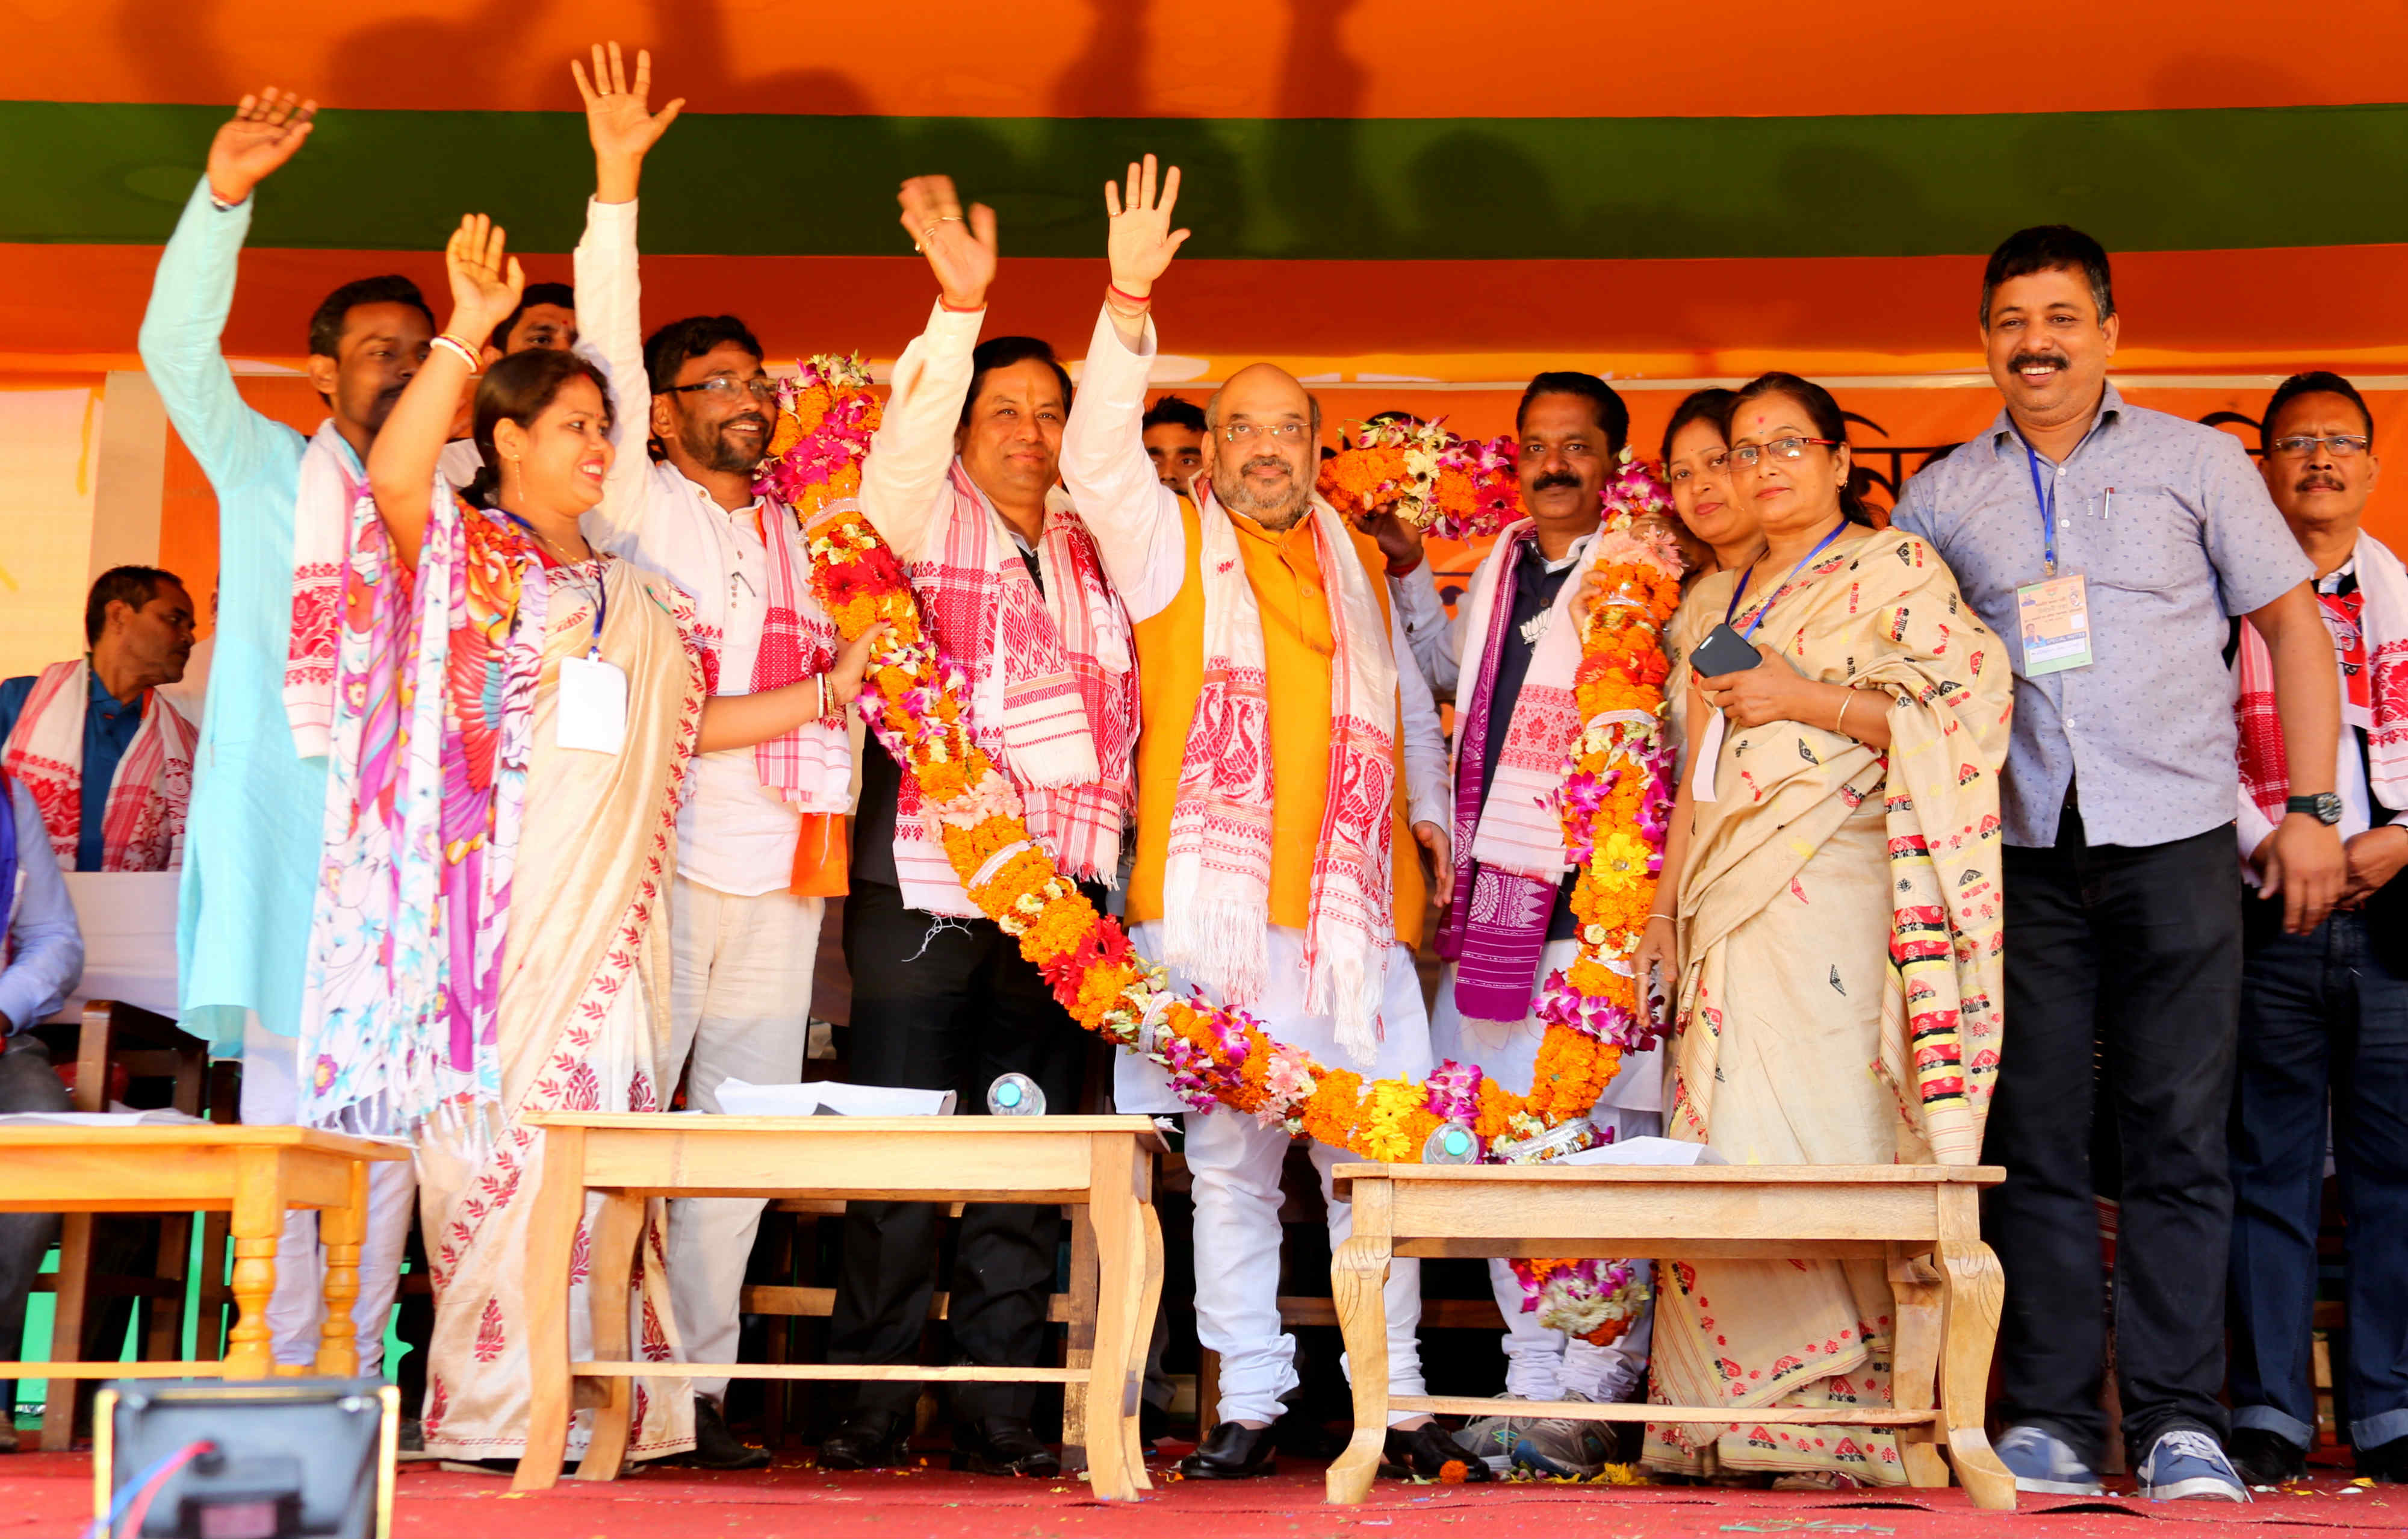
(1923,1220)
(630,1156)
(254,1174)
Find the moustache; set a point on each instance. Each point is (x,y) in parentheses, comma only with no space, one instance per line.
(2022,361)
(749,419)
(1554,479)
(1266,461)
(2320,483)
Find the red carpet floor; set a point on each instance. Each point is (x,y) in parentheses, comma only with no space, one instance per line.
(49,1496)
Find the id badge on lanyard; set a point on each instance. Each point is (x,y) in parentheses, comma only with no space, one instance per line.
(592,703)
(2053,615)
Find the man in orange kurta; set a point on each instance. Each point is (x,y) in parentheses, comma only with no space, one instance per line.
(1335,896)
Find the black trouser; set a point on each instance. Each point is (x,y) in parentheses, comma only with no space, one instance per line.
(27,1084)
(949,1005)
(2131,955)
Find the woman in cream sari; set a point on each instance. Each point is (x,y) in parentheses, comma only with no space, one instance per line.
(1835,927)
(514,714)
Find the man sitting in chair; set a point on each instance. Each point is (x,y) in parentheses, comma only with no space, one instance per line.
(106,759)
(41,958)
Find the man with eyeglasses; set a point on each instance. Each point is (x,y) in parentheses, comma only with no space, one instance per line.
(2326,1013)
(2108,544)
(1282,748)
(746,906)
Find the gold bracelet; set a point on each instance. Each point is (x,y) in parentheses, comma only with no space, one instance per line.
(1840,726)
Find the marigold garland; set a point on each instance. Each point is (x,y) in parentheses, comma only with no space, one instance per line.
(1615,804)
(1455,488)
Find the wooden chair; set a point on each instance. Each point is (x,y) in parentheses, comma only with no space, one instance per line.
(114,1035)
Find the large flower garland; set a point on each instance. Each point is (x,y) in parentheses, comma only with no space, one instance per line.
(1455,488)
(914,698)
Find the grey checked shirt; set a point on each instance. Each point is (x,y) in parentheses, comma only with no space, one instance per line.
(2188,539)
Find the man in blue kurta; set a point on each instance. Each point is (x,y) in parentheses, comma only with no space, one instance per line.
(258,811)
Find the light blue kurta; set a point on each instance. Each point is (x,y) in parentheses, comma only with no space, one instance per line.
(258,813)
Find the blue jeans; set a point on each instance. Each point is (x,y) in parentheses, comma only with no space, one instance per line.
(2320,1016)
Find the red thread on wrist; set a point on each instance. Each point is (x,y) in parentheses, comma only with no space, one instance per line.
(943,304)
(1140,301)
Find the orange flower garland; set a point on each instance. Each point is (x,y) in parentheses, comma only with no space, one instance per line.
(914,697)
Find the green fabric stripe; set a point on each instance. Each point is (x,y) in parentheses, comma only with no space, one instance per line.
(1265,188)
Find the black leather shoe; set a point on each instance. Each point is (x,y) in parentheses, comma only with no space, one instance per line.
(2262,1458)
(2386,1461)
(866,1440)
(1232,1452)
(1002,1446)
(715,1447)
(1426,1451)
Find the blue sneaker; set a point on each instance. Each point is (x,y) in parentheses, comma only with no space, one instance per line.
(2188,1464)
(2045,1463)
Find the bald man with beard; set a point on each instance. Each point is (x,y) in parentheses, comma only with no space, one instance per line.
(1268,668)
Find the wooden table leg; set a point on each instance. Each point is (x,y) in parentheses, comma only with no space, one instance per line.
(1975,1289)
(1914,1374)
(1079,1343)
(342,1230)
(618,1231)
(258,1224)
(1359,1276)
(552,1235)
(1112,1206)
(66,1329)
(1141,1343)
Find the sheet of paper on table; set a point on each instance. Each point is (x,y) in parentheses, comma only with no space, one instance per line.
(1645,1151)
(823,1097)
(163,1117)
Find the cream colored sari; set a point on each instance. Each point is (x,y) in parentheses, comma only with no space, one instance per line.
(582,1023)
(1839,982)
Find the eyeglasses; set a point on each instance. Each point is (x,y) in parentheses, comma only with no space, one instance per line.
(1746,454)
(1276,432)
(762,386)
(2341,446)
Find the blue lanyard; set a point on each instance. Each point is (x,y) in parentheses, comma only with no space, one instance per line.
(2044,493)
(1749,634)
(601,590)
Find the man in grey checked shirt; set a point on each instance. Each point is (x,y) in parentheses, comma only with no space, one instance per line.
(2126,539)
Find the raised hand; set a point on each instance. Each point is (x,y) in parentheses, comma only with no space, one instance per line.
(260,135)
(1143,241)
(622,127)
(960,248)
(485,286)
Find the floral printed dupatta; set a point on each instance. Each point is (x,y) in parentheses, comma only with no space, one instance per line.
(435,684)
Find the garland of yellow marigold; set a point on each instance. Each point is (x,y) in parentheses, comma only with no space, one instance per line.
(1616,804)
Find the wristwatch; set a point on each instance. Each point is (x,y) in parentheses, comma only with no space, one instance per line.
(2325,807)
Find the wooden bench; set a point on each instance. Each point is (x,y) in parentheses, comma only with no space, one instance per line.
(254,1174)
(1096,1162)
(1923,1220)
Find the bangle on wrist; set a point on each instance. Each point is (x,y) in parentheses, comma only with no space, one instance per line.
(1668,918)
(824,697)
(1840,726)
(455,344)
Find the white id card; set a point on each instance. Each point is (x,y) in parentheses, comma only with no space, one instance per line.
(593,705)
(1703,759)
(2055,619)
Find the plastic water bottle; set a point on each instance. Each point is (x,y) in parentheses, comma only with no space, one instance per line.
(1453,1144)
(1014,1095)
